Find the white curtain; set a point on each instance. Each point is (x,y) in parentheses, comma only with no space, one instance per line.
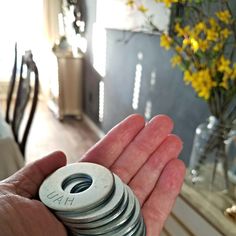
(51,10)
(33,25)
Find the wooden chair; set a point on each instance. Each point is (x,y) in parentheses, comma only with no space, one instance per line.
(11,88)
(28,79)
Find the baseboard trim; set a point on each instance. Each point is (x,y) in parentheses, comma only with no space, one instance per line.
(93,126)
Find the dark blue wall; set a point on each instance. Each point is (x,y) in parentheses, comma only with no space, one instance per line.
(169,95)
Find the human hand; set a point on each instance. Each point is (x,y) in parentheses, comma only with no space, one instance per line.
(145,158)
(20,213)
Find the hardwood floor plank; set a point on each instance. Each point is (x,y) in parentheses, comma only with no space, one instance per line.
(49,134)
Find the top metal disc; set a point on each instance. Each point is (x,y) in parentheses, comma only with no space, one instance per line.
(53,195)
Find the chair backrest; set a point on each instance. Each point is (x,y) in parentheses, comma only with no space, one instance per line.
(11,88)
(28,79)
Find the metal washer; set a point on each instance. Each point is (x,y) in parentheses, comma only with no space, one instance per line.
(102,204)
(108,211)
(131,215)
(54,197)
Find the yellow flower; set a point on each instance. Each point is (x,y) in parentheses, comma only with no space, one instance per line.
(204,93)
(224,65)
(186,42)
(228,75)
(176,60)
(203,45)
(181,32)
(200,27)
(218,47)
(142,8)
(188,77)
(166,41)
(225,81)
(187,30)
(224,16)
(203,83)
(178,49)
(225,33)
(224,84)
(130,3)
(212,35)
(194,44)
(168,3)
(213,22)
(190,41)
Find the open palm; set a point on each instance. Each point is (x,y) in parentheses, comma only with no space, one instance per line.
(143,155)
(145,158)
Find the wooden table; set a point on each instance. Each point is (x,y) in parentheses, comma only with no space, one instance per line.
(201,213)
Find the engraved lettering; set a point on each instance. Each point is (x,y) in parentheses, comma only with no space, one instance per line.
(58,199)
(52,195)
(68,200)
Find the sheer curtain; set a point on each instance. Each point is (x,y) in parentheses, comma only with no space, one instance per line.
(33,25)
(51,9)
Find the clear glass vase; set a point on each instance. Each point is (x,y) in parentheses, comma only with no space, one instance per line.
(213,158)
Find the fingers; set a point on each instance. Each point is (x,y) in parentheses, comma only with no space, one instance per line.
(144,144)
(112,145)
(145,180)
(27,180)
(158,206)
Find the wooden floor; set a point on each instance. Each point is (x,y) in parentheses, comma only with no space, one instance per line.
(49,134)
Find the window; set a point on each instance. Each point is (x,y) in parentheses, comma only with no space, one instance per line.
(21,22)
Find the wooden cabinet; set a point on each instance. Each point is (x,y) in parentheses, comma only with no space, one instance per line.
(68,99)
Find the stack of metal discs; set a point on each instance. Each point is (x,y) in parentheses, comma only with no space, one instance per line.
(91,200)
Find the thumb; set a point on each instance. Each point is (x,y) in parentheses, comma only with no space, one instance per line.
(27,181)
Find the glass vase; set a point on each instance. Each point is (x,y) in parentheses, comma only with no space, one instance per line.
(213,158)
